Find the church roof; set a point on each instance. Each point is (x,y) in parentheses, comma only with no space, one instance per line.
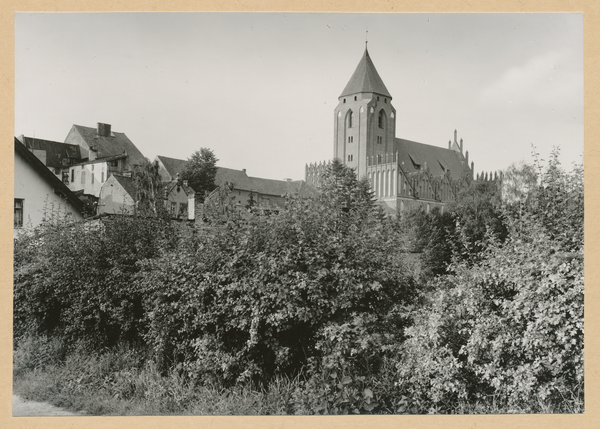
(413,156)
(365,79)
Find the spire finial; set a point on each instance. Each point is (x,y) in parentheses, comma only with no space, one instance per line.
(366,38)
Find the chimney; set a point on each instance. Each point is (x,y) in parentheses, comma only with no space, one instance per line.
(244,170)
(449,144)
(103,130)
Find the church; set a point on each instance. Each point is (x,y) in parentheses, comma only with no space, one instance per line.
(401,172)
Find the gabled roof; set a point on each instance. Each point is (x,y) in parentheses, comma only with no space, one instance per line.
(115,144)
(47,175)
(413,156)
(365,79)
(240,179)
(128,184)
(172,185)
(56,152)
(172,165)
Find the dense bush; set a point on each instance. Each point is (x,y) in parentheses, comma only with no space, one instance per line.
(76,281)
(508,329)
(315,301)
(322,282)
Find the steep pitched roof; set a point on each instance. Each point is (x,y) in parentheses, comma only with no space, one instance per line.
(172,165)
(127,184)
(365,79)
(116,144)
(413,156)
(58,186)
(56,152)
(172,185)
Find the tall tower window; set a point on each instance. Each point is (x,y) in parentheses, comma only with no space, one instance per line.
(381,119)
(350,119)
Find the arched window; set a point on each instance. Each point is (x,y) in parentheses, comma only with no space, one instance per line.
(349,120)
(381,119)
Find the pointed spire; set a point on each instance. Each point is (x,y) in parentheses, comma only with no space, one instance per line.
(365,79)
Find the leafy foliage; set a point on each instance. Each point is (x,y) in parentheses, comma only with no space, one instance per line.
(510,326)
(200,171)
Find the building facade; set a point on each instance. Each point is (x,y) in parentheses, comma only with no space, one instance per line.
(401,172)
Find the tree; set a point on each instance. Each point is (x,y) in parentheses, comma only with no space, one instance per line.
(148,186)
(200,172)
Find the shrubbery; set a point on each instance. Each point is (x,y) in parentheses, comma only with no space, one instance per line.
(316,301)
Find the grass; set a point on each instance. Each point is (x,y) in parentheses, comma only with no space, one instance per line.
(123,382)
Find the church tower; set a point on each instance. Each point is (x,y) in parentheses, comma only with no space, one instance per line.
(365,120)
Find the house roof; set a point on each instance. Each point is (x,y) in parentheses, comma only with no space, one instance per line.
(413,156)
(172,165)
(56,152)
(240,179)
(127,183)
(365,79)
(115,144)
(172,185)
(48,176)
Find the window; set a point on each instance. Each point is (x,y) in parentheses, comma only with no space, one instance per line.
(92,176)
(385,100)
(183,210)
(350,139)
(378,159)
(377,98)
(379,140)
(350,119)
(381,119)
(355,98)
(173,208)
(102,177)
(83,177)
(18,213)
(344,100)
(350,157)
(72,175)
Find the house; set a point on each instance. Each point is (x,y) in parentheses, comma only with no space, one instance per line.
(401,172)
(58,157)
(40,196)
(101,143)
(117,196)
(180,200)
(265,193)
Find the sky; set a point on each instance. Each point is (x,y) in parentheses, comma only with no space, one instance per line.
(260,89)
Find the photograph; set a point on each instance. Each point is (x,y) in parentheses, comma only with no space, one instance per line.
(298,214)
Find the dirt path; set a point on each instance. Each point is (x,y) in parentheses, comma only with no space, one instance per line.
(23,408)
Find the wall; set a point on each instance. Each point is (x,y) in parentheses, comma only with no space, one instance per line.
(114,199)
(40,201)
(93,169)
